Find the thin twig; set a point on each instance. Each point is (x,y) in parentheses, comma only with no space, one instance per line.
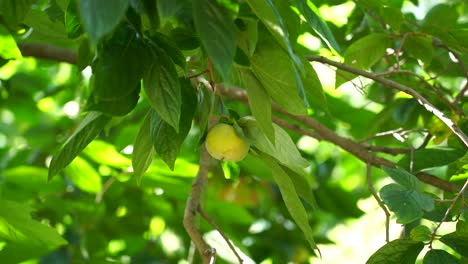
(447,213)
(195,75)
(220,231)
(104,189)
(400,87)
(380,202)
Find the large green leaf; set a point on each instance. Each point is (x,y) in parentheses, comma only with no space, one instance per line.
(14,11)
(120,65)
(408,205)
(165,139)
(401,251)
(25,238)
(278,78)
(259,102)
(316,22)
(284,150)
(363,54)
(117,106)
(31,178)
(101,17)
(83,175)
(8,48)
(438,256)
(143,151)
(402,177)
(89,128)
(42,23)
(431,158)
(162,86)
(170,48)
(314,90)
(217,33)
(458,241)
(420,48)
(291,199)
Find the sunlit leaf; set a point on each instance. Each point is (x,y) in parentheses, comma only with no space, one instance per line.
(14,11)
(105,153)
(83,175)
(8,49)
(25,237)
(402,251)
(438,256)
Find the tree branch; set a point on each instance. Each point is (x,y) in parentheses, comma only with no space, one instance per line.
(192,205)
(421,100)
(47,52)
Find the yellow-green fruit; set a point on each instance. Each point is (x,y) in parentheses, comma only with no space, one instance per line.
(223,143)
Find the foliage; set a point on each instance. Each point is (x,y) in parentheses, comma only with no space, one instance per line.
(105,105)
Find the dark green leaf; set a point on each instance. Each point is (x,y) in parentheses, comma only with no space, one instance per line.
(408,205)
(291,199)
(184,38)
(437,256)
(72,22)
(205,99)
(25,238)
(8,48)
(162,86)
(217,33)
(101,17)
(259,102)
(83,175)
(442,12)
(85,55)
(14,11)
(118,106)
(303,186)
(143,150)
(89,128)
(457,241)
(170,48)
(431,158)
(277,78)
(42,24)
(402,177)
(363,54)
(392,16)
(399,251)
(420,48)
(165,139)
(316,22)
(121,63)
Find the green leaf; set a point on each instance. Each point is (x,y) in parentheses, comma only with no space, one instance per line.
(14,11)
(143,150)
(316,22)
(442,12)
(121,63)
(363,54)
(457,241)
(165,139)
(101,17)
(392,16)
(162,86)
(277,78)
(249,36)
(202,114)
(25,238)
(271,18)
(33,179)
(314,90)
(72,22)
(42,23)
(421,233)
(259,102)
(303,186)
(462,228)
(170,48)
(291,199)
(8,48)
(83,175)
(408,205)
(89,128)
(402,177)
(284,150)
(118,106)
(420,48)
(105,153)
(217,33)
(437,256)
(431,158)
(401,251)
